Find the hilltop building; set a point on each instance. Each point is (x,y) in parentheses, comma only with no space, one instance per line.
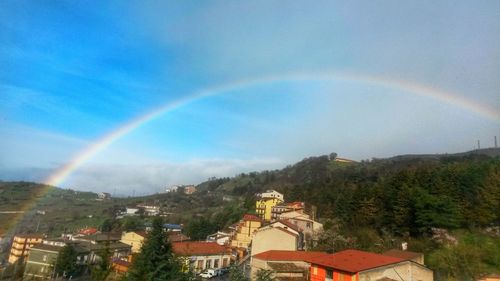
(267,200)
(103,196)
(190,189)
(21,245)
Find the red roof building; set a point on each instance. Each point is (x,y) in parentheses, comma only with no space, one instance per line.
(348,265)
(248,217)
(197,248)
(202,255)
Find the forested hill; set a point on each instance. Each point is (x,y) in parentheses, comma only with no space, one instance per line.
(403,195)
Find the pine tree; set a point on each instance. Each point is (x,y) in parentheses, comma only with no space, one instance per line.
(66,261)
(156,261)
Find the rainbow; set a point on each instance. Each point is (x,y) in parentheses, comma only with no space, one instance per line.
(405,86)
(440,95)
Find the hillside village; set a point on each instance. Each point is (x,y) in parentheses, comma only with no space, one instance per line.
(257,234)
(277,238)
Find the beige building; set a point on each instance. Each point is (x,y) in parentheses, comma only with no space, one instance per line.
(21,245)
(275,238)
(134,239)
(243,235)
(199,256)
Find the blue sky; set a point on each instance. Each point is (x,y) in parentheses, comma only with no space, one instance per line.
(73,71)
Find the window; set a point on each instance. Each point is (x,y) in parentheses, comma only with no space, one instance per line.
(216,263)
(224,262)
(315,270)
(42,269)
(329,275)
(208,264)
(341,277)
(199,265)
(44,258)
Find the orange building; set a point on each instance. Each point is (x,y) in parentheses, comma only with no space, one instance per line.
(21,245)
(354,265)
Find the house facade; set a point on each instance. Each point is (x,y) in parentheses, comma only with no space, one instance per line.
(354,265)
(21,245)
(267,200)
(199,256)
(275,238)
(246,227)
(42,259)
(134,239)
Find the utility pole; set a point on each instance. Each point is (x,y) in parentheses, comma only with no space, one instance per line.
(496,142)
(478,144)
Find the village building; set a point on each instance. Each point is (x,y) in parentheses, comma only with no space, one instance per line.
(95,243)
(266,201)
(243,236)
(21,245)
(221,238)
(43,257)
(103,196)
(286,265)
(279,209)
(348,265)
(199,256)
(134,239)
(354,265)
(190,189)
(275,238)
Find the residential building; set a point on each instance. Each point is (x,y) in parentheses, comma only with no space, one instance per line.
(244,230)
(172,227)
(354,265)
(96,243)
(490,277)
(176,236)
(275,238)
(88,231)
(267,200)
(131,211)
(279,209)
(348,265)
(103,196)
(406,255)
(190,189)
(221,238)
(42,259)
(286,265)
(21,244)
(150,210)
(134,239)
(308,226)
(202,255)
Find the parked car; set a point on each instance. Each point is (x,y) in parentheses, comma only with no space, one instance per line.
(212,272)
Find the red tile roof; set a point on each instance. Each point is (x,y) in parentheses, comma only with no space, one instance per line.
(197,248)
(276,255)
(248,217)
(88,231)
(354,260)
